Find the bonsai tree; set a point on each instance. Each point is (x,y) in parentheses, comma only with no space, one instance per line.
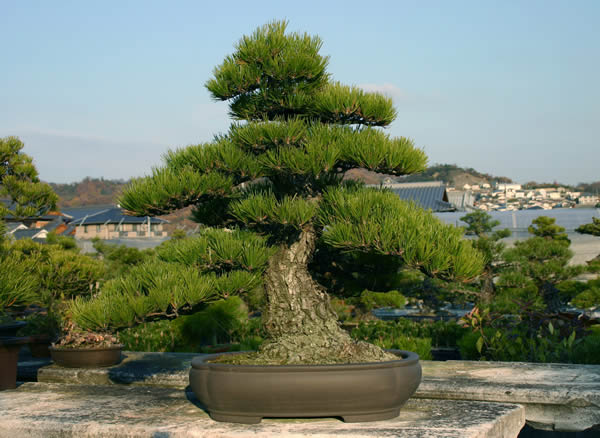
(480,224)
(279,172)
(592,228)
(537,265)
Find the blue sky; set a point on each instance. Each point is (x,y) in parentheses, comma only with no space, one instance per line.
(104,88)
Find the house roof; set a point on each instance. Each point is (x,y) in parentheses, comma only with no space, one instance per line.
(430,195)
(114,215)
(30,234)
(11,227)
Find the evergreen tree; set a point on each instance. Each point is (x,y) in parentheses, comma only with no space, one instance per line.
(480,224)
(279,173)
(544,226)
(19,183)
(592,228)
(540,263)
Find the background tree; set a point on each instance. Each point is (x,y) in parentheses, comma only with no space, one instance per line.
(279,174)
(544,226)
(480,224)
(537,265)
(20,183)
(592,228)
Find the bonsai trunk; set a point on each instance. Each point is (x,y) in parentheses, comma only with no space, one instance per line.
(302,326)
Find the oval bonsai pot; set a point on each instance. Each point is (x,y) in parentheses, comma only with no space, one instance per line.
(356,392)
(86,357)
(9,356)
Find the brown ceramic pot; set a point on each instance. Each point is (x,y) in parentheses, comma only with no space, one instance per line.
(356,392)
(9,356)
(86,357)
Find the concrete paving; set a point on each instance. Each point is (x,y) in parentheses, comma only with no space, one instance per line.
(561,397)
(60,410)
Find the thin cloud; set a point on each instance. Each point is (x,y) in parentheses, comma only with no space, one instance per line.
(387,89)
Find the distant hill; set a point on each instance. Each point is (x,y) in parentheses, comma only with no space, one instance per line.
(90,191)
(450,174)
(455,176)
(100,191)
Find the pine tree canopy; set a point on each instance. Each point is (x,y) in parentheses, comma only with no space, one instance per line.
(281,167)
(20,184)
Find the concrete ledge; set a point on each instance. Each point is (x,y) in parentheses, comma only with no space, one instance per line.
(47,409)
(561,397)
(555,396)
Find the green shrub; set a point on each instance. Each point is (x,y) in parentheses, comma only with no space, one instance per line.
(188,333)
(371,300)
(410,335)
(588,298)
(587,350)
(218,322)
(158,336)
(19,286)
(41,324)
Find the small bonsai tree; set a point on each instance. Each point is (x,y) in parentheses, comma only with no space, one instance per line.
(279,174)
(592,228)
(488,242)
(537,265)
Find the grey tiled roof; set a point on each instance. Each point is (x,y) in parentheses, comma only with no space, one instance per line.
(114,216)
(429,195)
(25,234)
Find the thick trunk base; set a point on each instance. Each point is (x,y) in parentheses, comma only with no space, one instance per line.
(302,326)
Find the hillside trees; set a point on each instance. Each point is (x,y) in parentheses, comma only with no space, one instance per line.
(278,175)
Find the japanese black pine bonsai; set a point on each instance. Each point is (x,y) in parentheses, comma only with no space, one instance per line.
(278,172)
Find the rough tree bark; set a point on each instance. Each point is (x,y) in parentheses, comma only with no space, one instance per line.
(302,326)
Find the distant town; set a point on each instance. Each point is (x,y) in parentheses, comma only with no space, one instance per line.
(510,197)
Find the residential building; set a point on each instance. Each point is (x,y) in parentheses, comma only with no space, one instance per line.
(111,223)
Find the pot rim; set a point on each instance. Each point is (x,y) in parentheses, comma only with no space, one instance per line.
(79,349)
(14,324)
(14,340)
(407,358)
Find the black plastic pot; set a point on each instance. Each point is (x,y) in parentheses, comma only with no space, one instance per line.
(356,392)
(9,356)
(86,357)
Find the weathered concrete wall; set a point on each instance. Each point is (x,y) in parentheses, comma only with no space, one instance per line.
(46,410)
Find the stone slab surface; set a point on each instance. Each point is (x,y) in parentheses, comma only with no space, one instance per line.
(561,397)
(60,410)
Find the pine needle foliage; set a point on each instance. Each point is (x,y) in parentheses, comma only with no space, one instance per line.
(219,251)
(20,183)
(167,190)
(372,220)
(279,173)
(156,289)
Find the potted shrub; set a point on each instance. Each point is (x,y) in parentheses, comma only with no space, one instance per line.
(79,348)
(280,175)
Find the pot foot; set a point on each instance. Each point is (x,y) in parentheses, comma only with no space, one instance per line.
(376,416)
(234,418)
